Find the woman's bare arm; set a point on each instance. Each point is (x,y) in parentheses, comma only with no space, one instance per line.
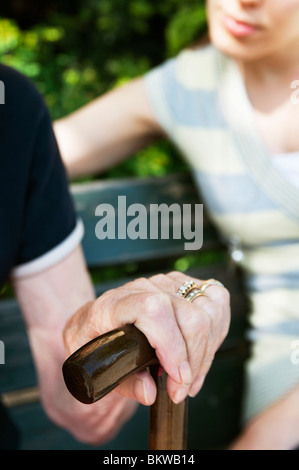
(108,130)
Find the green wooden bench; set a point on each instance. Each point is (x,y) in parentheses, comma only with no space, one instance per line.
(214,415)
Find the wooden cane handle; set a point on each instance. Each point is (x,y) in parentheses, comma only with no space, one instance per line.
(102,364)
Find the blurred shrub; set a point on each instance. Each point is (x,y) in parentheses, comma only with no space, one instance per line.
(77,50)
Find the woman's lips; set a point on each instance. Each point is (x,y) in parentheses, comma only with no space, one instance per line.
(237,28)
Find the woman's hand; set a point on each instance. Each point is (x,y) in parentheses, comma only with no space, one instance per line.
(185,335)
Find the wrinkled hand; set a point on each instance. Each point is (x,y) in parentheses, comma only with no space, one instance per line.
(185,335)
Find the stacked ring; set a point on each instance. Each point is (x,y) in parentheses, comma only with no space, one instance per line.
(210,282)
(194,295)
(191,291)
(186,288)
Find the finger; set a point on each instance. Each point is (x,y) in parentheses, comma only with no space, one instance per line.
(197,385)
(219,311)
(140,387)
(152,313)
(160,326)
(201,347)
(211,334)
(170,284)
(188,323)
(196,327)
(215,303)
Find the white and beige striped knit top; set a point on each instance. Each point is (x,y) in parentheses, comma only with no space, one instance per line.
(201,102)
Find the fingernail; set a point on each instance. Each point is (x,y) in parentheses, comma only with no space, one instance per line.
(185,373)
(180,395)
(140,389)
(196,386)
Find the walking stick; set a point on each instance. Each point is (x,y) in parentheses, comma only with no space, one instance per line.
(103,363)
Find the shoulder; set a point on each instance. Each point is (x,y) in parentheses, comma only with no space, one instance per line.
(196,68)
(22,116)
(183,91)
(193,69)
(20,94)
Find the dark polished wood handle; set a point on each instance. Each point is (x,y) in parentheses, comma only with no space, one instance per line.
(102,364)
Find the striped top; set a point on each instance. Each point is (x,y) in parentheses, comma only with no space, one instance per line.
(288,163)
(201,102)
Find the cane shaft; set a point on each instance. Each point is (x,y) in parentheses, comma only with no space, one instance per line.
(168,421)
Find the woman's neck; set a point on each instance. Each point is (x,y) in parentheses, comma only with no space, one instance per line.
(268,84)
(279,68)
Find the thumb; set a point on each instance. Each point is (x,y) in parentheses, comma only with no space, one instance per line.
(140,387)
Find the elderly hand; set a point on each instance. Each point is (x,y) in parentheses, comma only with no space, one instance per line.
(185,335)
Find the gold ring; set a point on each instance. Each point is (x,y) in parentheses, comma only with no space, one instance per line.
(210,282)
(190,291)
(186,288)
(194,294)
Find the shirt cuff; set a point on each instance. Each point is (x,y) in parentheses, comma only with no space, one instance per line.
(53,256)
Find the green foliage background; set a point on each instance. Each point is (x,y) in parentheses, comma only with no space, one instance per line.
(76,50)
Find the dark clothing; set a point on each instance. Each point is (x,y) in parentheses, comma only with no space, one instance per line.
(36,210)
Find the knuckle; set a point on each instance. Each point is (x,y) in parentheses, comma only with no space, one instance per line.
(140,281)
(137,284)
(157,304)
(174,273)
(224,295)
(68,335)
(102,299)
(158,278)
(106,302)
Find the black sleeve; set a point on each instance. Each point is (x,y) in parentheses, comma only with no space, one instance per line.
(49,215)
(36,209)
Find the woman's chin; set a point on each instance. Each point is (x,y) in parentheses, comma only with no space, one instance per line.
(235,48)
